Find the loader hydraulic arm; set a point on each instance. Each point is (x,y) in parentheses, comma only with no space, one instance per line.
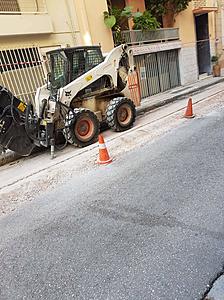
(110,67)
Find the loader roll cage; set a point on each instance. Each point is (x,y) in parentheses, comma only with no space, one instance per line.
(67,64)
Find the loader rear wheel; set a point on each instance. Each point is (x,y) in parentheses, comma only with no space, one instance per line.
(120,114)
(82,127)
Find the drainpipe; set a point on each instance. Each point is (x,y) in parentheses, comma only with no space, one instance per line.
(216,44)
(83,22)
(72,25)
(37,6)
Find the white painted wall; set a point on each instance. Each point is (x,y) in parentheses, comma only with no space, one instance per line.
(188,65)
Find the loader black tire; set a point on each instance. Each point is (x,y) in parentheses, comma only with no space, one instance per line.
(120,114)
(82,127)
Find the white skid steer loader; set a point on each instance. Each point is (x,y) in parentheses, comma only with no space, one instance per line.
(83,91)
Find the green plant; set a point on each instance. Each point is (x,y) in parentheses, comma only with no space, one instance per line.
(214,59)
(159,8)
(145,21)
(109,20)
(117,18)
(127,12)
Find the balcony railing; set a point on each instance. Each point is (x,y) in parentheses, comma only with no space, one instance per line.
(19,7)
(141,37)
(204,6)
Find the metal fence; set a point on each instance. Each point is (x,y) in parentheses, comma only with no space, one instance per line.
(158,72)
(139,36)
(23,6)
(22,71)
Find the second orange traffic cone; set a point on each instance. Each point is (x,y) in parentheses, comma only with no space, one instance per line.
(104,157)
(189,110)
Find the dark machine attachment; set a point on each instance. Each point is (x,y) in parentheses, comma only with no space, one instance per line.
(13,115)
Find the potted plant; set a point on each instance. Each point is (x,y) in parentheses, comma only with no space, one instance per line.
(215,66)
(117,19)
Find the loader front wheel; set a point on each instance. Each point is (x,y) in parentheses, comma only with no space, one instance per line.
(83,127)
(120,114)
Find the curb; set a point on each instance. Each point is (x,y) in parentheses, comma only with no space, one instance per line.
(215,289)
(8,157)
(11,156)
(148,107)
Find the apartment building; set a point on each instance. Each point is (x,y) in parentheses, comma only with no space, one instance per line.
(197,27)
(30,28)
(53,23)
(165,58)
(180,54)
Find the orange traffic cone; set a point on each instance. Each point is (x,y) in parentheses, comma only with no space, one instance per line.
(189,110)
(104,157)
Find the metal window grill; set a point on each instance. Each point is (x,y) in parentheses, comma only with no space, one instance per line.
(78,64)
(85,60)
(9,5)
(93,58)
(22,71)
(58,70)
(22,6)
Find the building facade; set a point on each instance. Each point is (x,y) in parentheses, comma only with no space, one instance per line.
(179,55)
(197,27)
(53,23)
(30,28)
(165,58)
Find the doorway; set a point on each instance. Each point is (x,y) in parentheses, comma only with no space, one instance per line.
(203,44)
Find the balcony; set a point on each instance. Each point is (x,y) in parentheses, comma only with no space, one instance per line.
(132,37)
(21,17)
(204,6)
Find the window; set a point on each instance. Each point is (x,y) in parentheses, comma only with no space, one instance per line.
(78,63)
(58,64)
(84,60)
(94,58)
(9,5)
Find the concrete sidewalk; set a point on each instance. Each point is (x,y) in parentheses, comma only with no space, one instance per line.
(177,93)
(217,290)
(148,104)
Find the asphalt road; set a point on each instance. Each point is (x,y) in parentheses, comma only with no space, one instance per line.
(148,226)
